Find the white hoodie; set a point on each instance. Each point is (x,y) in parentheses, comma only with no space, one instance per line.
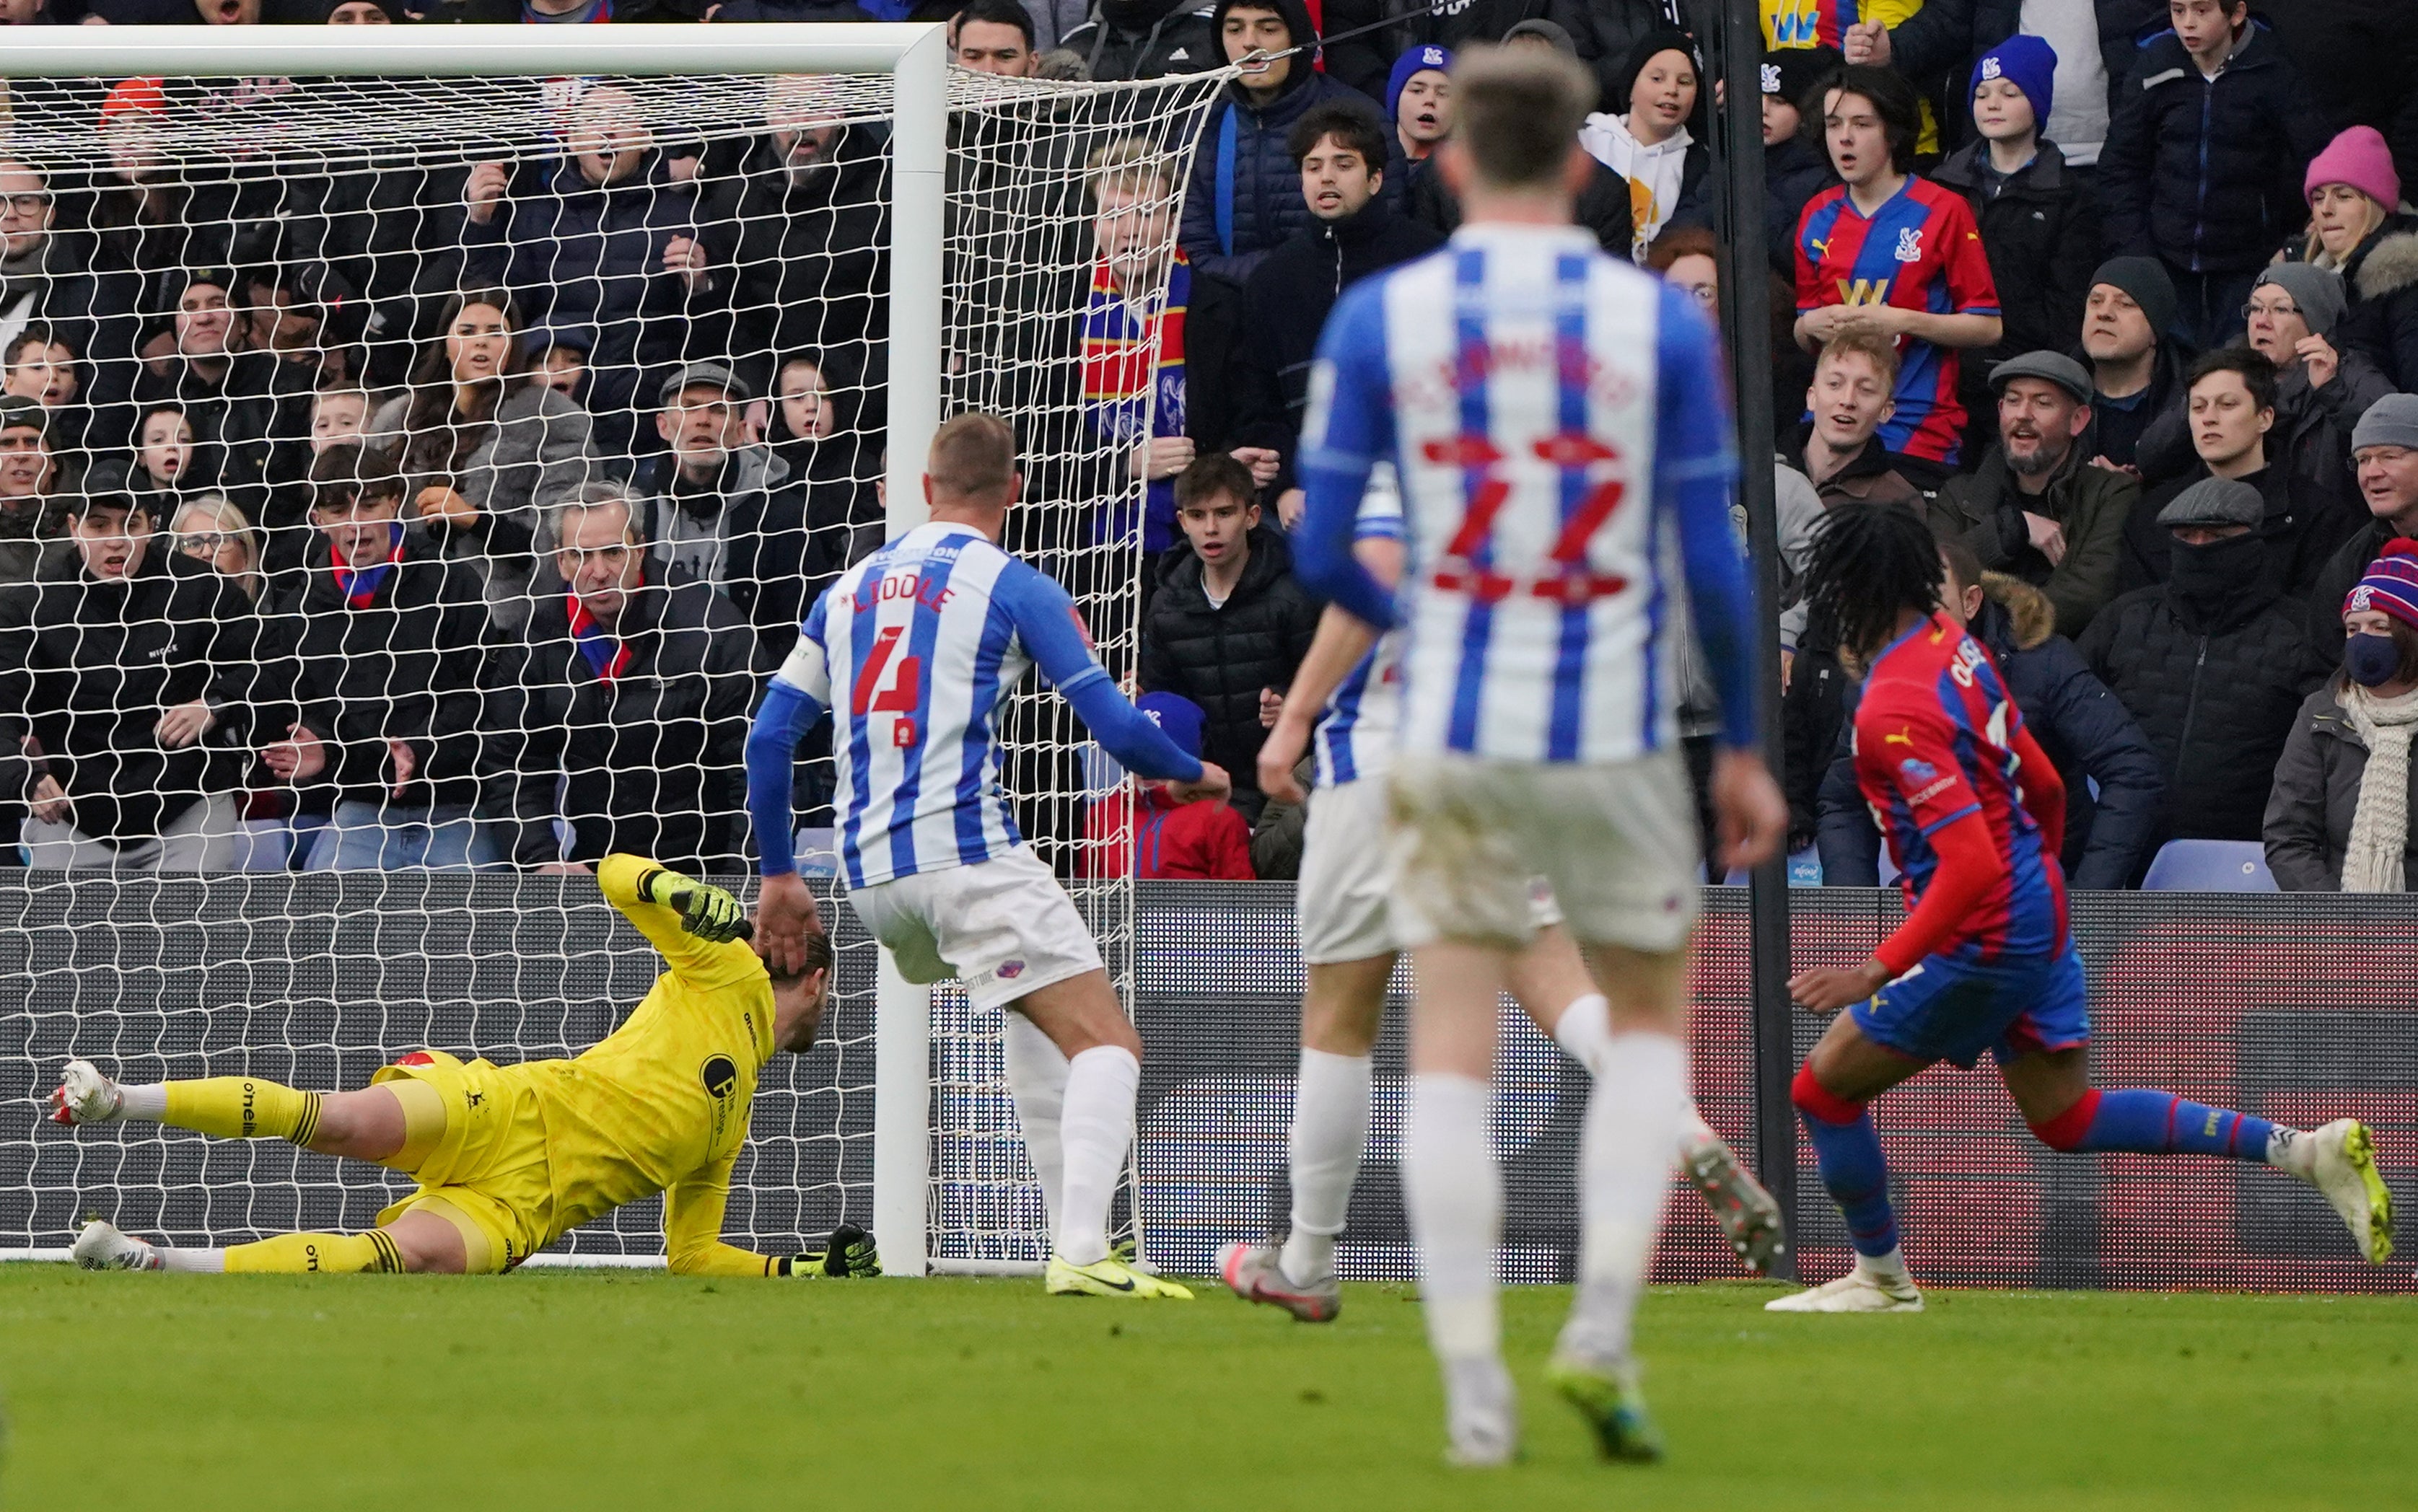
(1653,173)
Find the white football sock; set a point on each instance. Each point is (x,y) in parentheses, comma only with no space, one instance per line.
(1454,1190)
(202,1261)
(1330,1134)
(1633,1120)
(1585,1029)
(1098,1130)
(1037,1079)
(1889,1267)
(149,1102)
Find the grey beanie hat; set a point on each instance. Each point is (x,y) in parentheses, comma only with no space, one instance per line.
(2318,292)
(2392,420)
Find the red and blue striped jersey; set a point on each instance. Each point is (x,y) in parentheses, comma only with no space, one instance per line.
(1935,741)
(1921,250)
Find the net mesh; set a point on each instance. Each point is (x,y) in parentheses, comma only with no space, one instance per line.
(623,346)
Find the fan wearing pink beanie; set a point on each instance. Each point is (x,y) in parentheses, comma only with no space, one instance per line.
(2356,228)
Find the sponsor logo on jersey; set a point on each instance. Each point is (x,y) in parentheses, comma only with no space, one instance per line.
(1918,770)
(1927,794)
(719,1075)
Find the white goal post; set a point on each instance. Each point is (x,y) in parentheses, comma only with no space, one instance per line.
(918,382)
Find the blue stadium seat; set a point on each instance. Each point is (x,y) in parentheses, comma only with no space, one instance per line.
(2209,866)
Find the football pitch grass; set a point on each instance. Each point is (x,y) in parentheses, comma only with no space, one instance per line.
(621,1389)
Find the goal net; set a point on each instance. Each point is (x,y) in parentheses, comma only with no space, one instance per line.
(412,466)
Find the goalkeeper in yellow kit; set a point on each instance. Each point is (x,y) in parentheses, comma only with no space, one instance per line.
(509,1159)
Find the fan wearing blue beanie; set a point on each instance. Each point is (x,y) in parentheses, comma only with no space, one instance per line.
(1419,100)
(2040,227)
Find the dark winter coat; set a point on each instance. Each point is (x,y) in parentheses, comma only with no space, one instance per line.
(1938,46)
(2114,432)
(2311,438)
(1793,173)
(2341,574)
(2381,277)
(86,669)
(652,762)
(2317,796)
(2087,735)
(1222,658)
(808,263)
(2300,531)
(1259,181)
(236,418)
(2091,503)
(578,256)
(412,666)
(2214,663)
(1285,306)
(1146,39)
(743,532)
(2206,172)
(1870,476)
(2041,236)
(1602,207)
(95,317)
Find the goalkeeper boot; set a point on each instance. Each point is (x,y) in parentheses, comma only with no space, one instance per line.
(1254,1274)
(101,1247)
(2341,1162)
(1110,1277)
(1482,1414)
(1748,1215)
(1607,1396)
(1858,1290)
(847,1253)
(83,1096)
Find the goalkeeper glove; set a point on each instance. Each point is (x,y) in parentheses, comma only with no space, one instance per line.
(848,1254)
(706,911)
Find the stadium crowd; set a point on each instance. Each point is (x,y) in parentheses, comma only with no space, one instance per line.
(453,515)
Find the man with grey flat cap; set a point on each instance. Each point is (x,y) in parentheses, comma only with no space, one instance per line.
(720,507)
(2213,663)
(2036,509)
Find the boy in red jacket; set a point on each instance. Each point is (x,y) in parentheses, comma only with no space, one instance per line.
(1206,840)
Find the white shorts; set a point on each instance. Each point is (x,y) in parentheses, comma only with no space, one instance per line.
(1003,927)
(1616,842)
(1344,902)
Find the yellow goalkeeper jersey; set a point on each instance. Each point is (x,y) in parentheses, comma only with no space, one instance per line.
(661,1105)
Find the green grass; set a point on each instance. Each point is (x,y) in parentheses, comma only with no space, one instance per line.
(594,1390)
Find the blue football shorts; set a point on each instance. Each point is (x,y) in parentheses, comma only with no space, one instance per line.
(1949,1010)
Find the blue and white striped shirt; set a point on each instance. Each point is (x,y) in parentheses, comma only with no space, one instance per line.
(1560,427)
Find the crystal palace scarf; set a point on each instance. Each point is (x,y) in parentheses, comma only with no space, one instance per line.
(361,585)
(608,656)
(1121,380)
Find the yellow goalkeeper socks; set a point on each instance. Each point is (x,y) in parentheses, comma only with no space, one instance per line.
(330,1254)
(243,1107)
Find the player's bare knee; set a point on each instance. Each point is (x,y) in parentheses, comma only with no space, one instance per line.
(367,1124)
(428,1244)
(1344,1006)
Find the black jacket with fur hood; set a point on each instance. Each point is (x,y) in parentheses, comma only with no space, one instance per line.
(2381,276)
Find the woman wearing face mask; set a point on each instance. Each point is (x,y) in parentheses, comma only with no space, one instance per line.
(2339,818)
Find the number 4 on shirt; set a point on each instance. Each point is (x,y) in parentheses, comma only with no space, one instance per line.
(900,697)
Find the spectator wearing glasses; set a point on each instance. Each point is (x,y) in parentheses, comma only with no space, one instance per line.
(631,697)
(387,641)
(485,448)
(2321,390)
(47,284)
(126,664)
(215,534)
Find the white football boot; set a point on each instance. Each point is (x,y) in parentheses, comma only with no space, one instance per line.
(83,1096)
(1858,1290)
(101,1247)
(1482,1414)
(2341,1160)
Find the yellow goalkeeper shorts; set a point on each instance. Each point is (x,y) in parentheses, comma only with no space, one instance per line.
(488,1175)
